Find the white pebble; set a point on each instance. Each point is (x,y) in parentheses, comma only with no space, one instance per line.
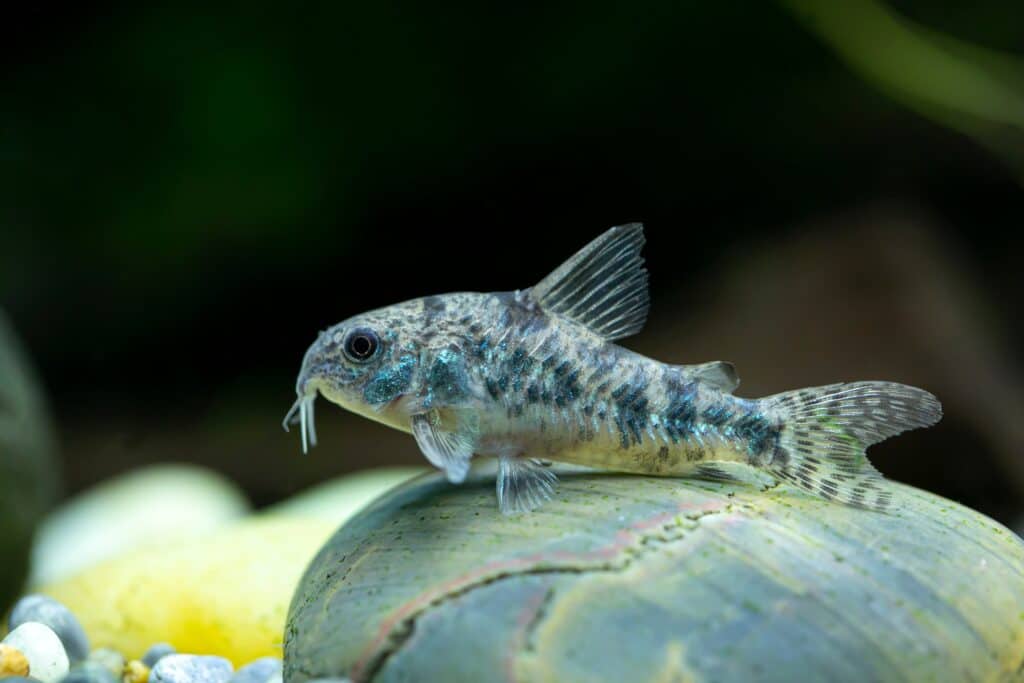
(48,611)
(47,659)
(191,669)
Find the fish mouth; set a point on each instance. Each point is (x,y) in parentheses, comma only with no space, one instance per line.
(301,412)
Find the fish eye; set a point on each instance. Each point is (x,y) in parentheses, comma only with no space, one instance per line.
(361,344)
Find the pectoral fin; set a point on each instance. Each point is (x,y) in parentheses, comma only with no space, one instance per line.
(447,442)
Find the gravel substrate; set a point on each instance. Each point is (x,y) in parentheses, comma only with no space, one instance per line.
(46,644)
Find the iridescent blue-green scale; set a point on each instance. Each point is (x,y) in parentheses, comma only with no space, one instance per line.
(447,378)
(679,418)
(519,366)
(390,381)
(717,415)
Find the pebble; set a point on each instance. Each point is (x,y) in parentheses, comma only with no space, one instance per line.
(258,671)
(157,652)
(46,610)
(89,672)
(47,660)
(191,669)
(135,672)
(12,662)
(111,660)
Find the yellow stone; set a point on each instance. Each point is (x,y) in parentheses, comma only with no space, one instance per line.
(225,595)
(135,672)
(12,662)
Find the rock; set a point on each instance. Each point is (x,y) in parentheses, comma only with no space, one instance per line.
(191,669)
(225,594)
(627,578)
(156,652)
(20,679)
(260,671)
(147,508)
(135,672)
(110,659)
(58,617)
(90,672)
(12,662)
(47,660)
(29,473)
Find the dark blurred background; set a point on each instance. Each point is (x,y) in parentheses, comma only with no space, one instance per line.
(832,191)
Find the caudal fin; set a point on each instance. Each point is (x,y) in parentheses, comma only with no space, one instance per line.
(825,431)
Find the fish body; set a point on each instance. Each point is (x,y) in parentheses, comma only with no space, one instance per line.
(535,375)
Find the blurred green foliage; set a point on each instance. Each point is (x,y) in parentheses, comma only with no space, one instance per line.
(974,89)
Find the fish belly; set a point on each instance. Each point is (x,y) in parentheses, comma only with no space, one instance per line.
(652,458)
(602,447)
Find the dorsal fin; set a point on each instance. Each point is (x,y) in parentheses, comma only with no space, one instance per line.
(604,286)
(717,373)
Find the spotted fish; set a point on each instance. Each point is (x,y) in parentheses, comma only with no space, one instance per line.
(534,375)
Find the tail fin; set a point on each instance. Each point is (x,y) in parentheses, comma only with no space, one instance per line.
(825,431)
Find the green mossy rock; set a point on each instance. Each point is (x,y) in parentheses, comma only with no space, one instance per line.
(624,578)
(28,468)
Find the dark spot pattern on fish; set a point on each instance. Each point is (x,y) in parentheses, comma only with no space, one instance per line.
(780,459)
(492,389)
(433,308)
(680,416)
(566,388)
(482,349)
(519,366)
(631,410)
(757,432)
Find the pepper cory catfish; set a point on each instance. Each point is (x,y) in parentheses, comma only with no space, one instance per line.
(534,375)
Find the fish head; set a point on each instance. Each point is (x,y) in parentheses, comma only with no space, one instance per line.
(366,364)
